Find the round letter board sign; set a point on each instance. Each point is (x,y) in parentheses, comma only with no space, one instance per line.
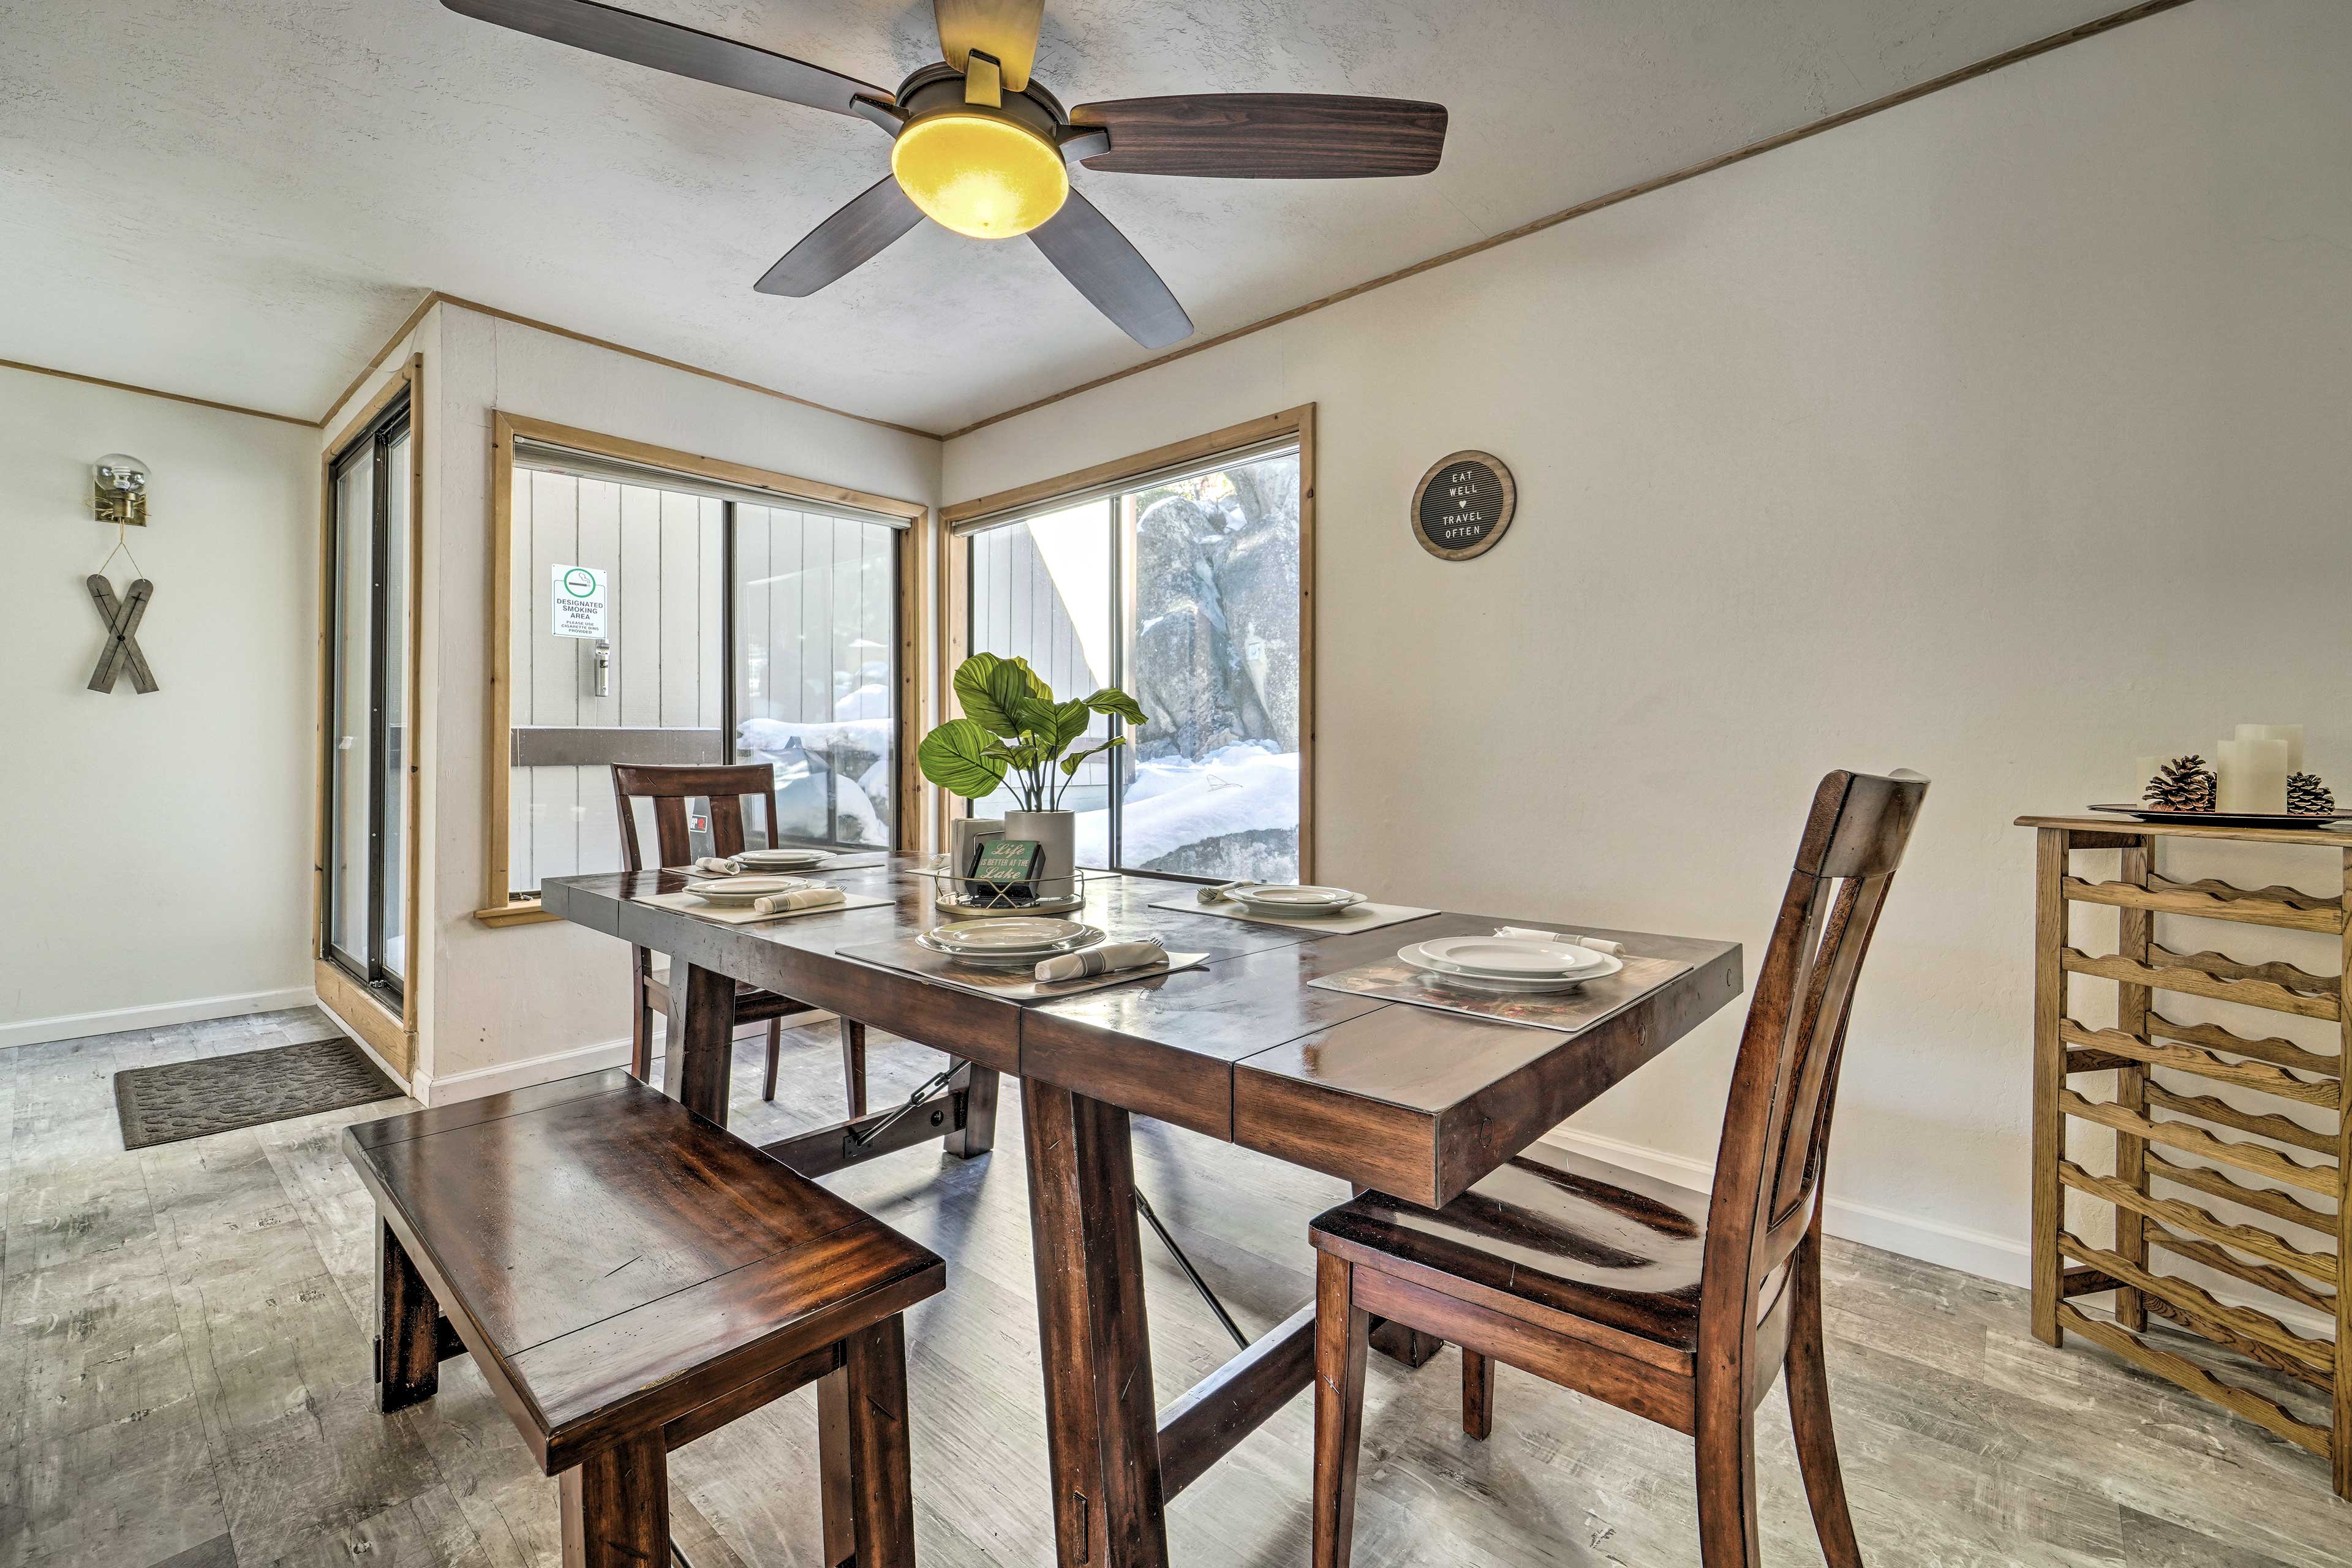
(1463,505)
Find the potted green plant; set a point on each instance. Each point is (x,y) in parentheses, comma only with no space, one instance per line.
(1013,728)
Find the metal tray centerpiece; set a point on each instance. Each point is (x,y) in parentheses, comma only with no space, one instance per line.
(961,898)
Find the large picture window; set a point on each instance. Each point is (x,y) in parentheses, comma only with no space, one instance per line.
(658,607)
(1181,581)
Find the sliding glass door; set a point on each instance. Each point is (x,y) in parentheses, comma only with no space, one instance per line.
(364,913)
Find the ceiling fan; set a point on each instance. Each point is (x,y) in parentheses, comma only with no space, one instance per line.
(982,147)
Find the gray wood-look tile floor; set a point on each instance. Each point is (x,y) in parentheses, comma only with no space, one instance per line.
(185,1381)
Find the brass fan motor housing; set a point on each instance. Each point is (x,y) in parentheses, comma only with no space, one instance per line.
(938,88)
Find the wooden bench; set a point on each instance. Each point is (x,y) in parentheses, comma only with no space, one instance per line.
(628,1278)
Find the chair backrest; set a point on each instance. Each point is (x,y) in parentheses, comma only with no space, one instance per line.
(669,788)
(1775,1126)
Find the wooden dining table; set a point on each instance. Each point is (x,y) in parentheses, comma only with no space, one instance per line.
(1409,1100)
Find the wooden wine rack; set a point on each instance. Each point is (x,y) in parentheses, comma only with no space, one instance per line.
(2167,1137)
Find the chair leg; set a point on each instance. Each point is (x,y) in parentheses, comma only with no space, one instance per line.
(1727,1482)
(641,1036)
(852,1069)
(1477,1394)
(775,1052)
(1341,1330)
(1808,1413)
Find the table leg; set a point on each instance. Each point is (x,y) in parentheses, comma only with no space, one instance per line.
(977,1136)
(1101,1428)
(1399,1342)
(613,1507)
(408,1358)
(837,1499)
(882,1499)
(699,1053)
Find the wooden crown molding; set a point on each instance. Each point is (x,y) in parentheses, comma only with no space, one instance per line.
(436,296)
(1232,438)
(1722,161)
(159,392)
(1756,149)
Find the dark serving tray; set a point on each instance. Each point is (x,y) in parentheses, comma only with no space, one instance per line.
(2233,818)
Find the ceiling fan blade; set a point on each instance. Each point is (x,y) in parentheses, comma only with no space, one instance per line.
(1104,266)
(1267,135)
(665,46)
(1006,29)
(843,242)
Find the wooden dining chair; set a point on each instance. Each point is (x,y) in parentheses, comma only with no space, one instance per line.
(726,788)
(1678,1306)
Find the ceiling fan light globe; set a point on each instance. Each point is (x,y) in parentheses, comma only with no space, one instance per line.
(979,174)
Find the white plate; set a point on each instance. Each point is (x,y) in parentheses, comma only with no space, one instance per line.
(1412,957)
(782,859)
(1290,899)
(1009,936)
(984,958)
(1510,957)
(738,890)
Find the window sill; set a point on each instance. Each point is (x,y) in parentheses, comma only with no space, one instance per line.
(525,913)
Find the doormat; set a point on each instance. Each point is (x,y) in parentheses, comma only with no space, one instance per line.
(220,1094)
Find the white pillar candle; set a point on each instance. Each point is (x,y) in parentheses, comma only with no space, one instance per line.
(2291,733)
(2253,777)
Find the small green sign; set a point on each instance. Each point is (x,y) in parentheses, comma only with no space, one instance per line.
(1006,860)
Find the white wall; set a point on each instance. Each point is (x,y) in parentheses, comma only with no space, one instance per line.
(2001,436)
(506,1005)
(195,796)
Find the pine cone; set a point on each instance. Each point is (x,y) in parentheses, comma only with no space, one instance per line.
(2307,796)
(2184,784)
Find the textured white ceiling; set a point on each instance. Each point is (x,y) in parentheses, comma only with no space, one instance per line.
(239,199)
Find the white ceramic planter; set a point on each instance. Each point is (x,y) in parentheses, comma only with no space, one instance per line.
(1058,831)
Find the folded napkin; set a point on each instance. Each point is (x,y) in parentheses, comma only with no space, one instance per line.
(1105,959)
(1597,943)
(1221,892)
(718,868)
(814,896)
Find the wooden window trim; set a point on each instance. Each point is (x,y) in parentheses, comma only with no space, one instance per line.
(497,908)
(393,1034)
(958,523)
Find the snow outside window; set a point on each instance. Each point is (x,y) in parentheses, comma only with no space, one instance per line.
(793,662)
(1184,592)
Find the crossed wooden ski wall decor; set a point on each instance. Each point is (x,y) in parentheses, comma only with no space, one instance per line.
(121,617)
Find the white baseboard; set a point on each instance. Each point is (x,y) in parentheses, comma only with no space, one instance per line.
(580,1060)
(451,1087)
(369,1052)
(2006,1259)
(76,1025)
(1976,1252)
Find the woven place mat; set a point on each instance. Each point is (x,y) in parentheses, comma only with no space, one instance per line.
(1010,985)
(1569,1012)
(1355,917)
(687,904)
(219,1094)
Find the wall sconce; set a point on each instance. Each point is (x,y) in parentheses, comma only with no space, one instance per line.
(118,486)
